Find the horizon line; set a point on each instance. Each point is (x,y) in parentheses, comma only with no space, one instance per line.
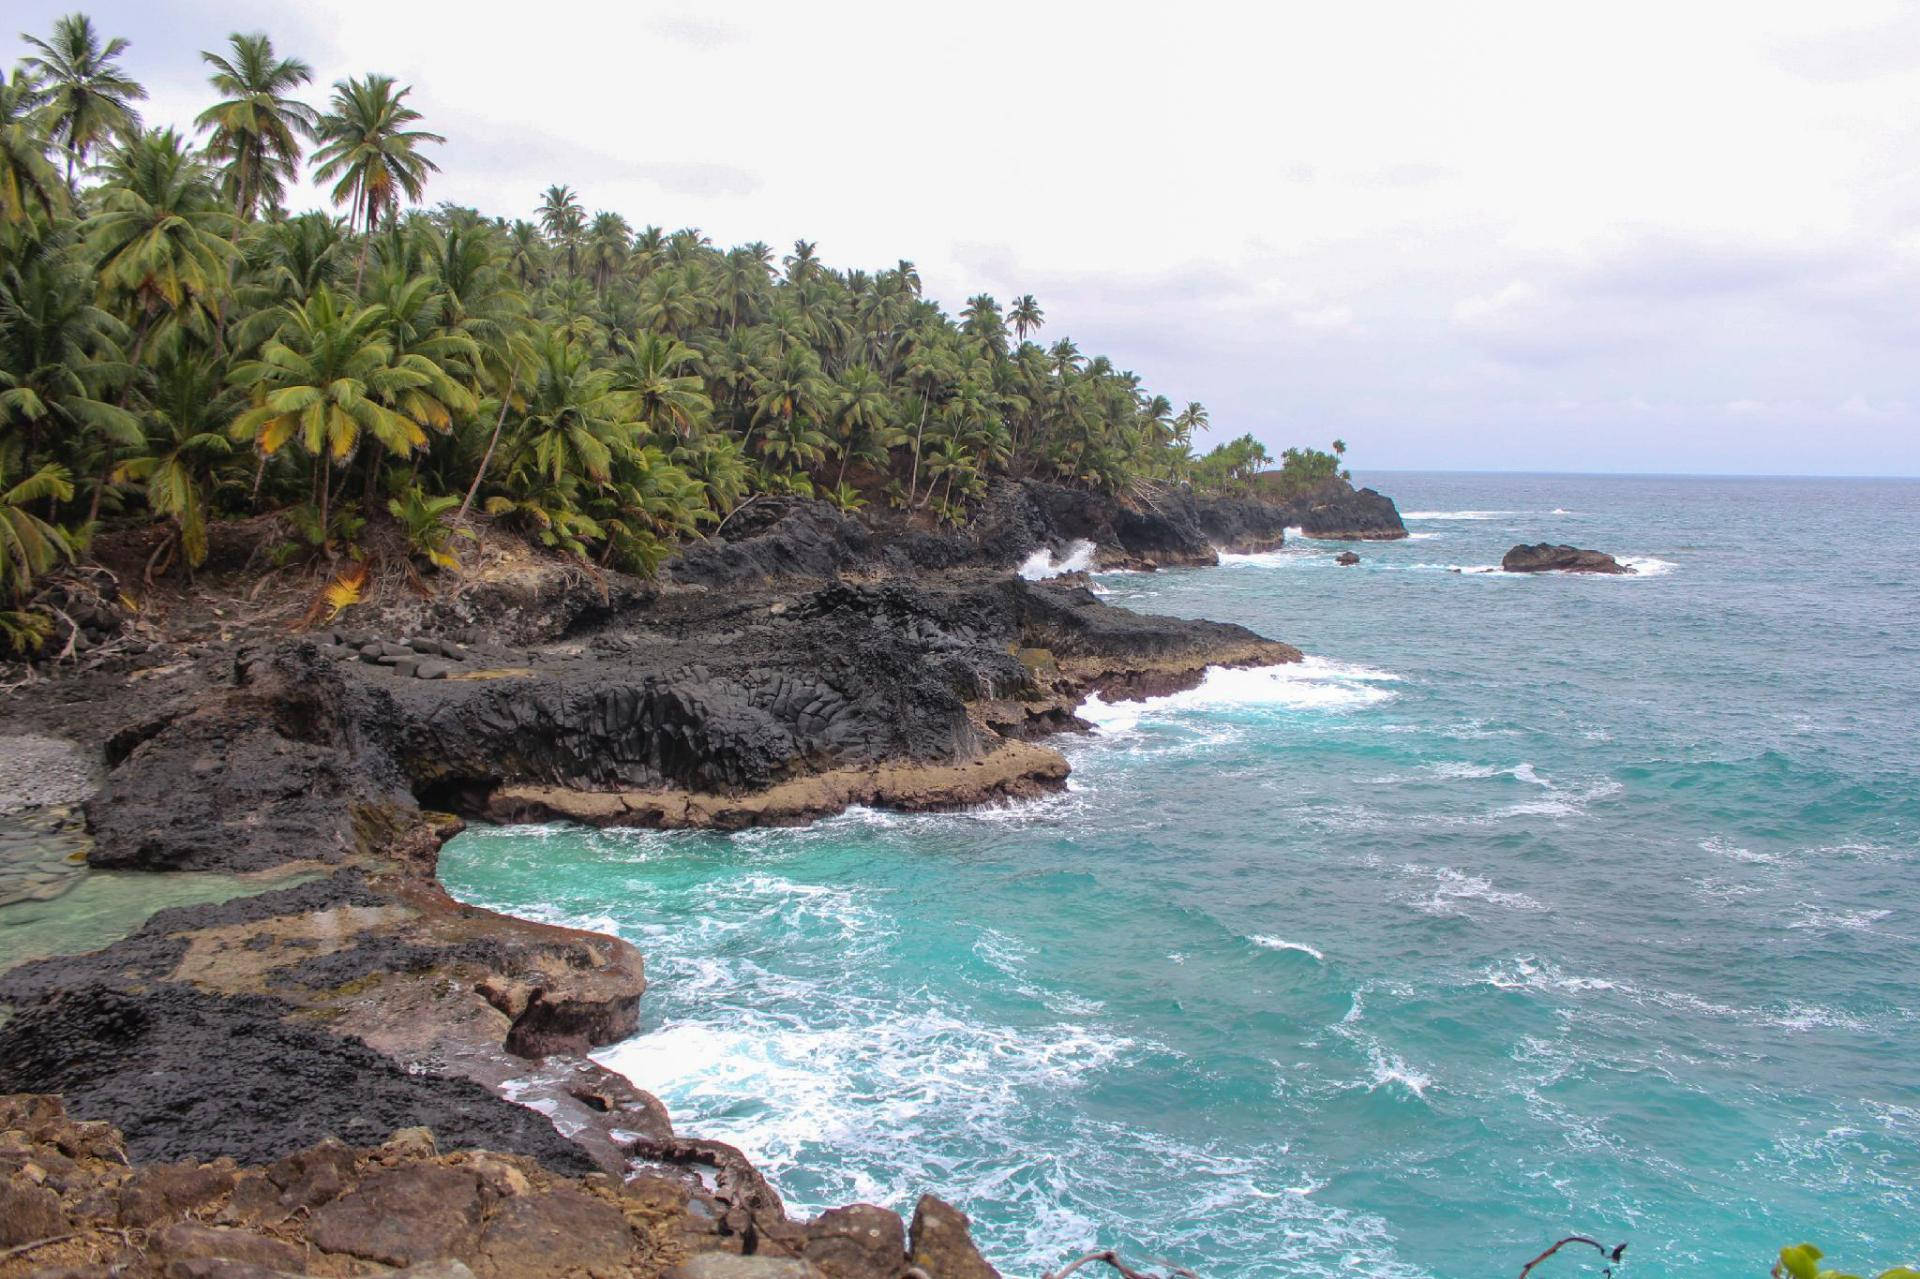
(1646,475)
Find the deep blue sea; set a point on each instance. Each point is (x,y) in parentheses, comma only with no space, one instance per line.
(1525,906)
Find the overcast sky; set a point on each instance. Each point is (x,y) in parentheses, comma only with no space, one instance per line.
(1623,237)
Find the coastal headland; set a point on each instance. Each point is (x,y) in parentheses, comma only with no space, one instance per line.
(232,1075)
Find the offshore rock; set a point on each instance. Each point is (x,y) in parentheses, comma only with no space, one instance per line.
(1543,557)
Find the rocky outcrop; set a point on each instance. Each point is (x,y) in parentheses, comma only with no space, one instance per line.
(746,707)
(1543,557)
(1339,512)
(1346,559)
(77,1199)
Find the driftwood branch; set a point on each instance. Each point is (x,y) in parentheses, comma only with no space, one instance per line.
(1611,1254)
(1112,1258)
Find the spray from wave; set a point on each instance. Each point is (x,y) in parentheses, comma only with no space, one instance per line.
(1041,564)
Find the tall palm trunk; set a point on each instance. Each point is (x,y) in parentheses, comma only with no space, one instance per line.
(913,477)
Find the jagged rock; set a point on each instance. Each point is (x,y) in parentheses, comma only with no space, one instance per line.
(160,1191)
(941,1245)
(559,1232)
(397,1218)
(1544,557)
(856,1242)
(27,1211)
(190,1239)
(1340,512)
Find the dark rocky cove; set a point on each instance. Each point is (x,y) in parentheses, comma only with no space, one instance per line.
(799,661)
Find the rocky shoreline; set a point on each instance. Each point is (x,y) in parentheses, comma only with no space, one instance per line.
(801,662)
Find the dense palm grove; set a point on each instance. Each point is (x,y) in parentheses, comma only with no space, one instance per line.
(177,347)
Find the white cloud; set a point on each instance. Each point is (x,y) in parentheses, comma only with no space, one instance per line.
(1707,202)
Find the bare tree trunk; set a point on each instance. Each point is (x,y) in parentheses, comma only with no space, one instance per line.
(492,440)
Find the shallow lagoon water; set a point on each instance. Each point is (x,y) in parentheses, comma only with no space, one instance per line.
(1525,906)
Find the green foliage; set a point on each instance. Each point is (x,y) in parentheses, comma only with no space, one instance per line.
(423,520)
(1802,1261)
(178,346)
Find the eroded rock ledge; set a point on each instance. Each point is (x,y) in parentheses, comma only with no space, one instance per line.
(75,1203)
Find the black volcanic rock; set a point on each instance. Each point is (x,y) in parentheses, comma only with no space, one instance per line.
(1544,557)
(1340,512)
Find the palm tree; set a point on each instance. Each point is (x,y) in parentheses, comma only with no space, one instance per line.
(89,96)
(564,221)
(27,180)
(60,358)
(606,245)
(792,389)
(158,241)
(659,394)
(575,425)
(29,545)
(256,126)
(1190,420)
(526,253)
(982,322)
(803,263)
(323,382)
(861,409)
(1026,316)
(192,405)
(366,144)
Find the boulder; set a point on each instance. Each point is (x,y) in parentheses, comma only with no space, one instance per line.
(941,1246)
(857,1242)
(1346,558)
(1543,557)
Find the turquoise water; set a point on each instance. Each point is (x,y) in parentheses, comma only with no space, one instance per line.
(1527,906)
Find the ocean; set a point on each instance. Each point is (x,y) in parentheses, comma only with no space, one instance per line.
(1526,906)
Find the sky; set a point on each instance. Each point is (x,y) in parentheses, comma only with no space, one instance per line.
(1676,237)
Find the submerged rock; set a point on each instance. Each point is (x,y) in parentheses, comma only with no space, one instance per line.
(1544,557)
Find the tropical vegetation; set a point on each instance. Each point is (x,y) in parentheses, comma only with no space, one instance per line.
(179,348)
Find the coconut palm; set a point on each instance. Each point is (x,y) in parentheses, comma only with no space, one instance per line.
(1188,421)
(29,545)
(606,247)
(186,443)
(256,128)
(326,380)
(159,242)
(576,422)
(1026,316)
(790,390)
(564,221)
(89,97)
(861,410)
(62,359)
(370,154)
(28,181)
(660,393)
